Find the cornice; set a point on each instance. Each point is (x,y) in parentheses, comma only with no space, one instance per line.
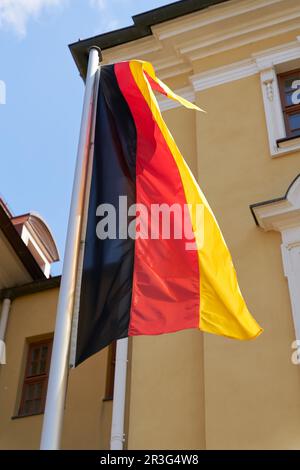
(214,15)
(278,55)
(222,27)
(280,214)
(233,36)
(245,68)
(225,74)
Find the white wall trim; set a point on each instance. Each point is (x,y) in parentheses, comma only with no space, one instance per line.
(273,110)
(245,68)
(278,55)
(225,74)
(284,216)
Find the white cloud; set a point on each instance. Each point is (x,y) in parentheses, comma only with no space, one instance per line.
(14,14)
(108,20)
(101,4)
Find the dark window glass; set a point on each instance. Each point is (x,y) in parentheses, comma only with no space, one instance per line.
(294,121)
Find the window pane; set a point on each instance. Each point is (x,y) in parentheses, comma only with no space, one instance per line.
(33,393)
(29,391)
(42,367)
(38,360)
(44,352)
(38,390)
(33,368)
(34,358)
(289,88)
(27,407)
(294,122)
(36,406)
(35,354)
(43,361)
(290,98)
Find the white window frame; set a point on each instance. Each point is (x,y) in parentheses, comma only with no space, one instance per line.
(270,64)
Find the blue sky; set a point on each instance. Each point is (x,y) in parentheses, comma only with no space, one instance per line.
(39,123)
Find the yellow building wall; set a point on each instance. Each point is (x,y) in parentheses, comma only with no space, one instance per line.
(87,418)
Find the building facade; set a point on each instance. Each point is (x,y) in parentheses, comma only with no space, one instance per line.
(240,61)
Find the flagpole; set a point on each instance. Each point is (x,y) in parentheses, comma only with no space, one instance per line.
(118,413)
(54,410)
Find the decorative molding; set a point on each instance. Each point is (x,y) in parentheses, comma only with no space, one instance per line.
(273,110)
(166,103)
(269,88)
(242,34)
(279,215)
(225,74)
(278,55)
(207,17)
(243,28)
(257,63)
(217,29)
(244,40)
(283,215)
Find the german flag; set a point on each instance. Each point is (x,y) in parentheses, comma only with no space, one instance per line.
(148,283)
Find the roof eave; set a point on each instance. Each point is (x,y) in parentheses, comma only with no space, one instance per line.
(141,28)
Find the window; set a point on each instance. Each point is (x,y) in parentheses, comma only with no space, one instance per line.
(36,378)
(279,74)
(289,85)
(110,373)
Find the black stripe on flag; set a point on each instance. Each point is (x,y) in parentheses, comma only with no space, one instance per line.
(108,264)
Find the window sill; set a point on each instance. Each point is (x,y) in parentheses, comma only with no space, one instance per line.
(26,416)
(286,145)
(288,142)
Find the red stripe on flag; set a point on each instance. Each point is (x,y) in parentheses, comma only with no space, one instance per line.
(154,85)
(166,280)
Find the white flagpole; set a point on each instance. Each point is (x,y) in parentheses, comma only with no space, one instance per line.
(54,410)
(118,413)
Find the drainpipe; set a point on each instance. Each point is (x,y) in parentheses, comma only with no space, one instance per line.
(3,326)
(119,398)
